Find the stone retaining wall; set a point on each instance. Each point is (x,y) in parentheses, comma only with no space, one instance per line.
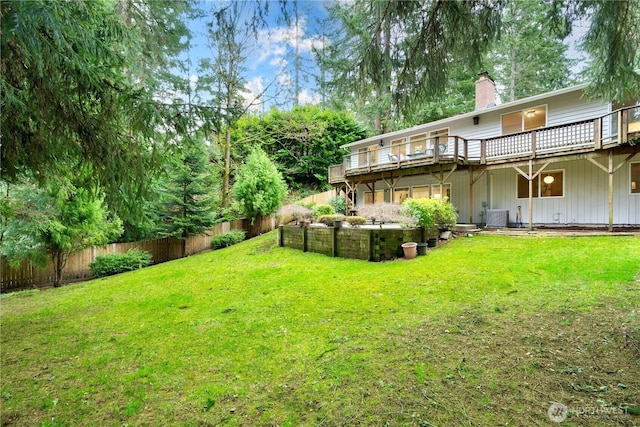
(371,244)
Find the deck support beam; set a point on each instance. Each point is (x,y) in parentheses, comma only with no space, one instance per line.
(472,182)
(530,177)
(610,169)
(391,185)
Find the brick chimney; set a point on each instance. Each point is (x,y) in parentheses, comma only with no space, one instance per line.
(485,91)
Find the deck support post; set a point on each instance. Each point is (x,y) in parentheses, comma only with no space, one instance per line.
(530,177)
(530,195)
(610,169)
(472,181)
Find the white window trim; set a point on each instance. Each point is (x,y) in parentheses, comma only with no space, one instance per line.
(523,111)
(427,186)
(408,190)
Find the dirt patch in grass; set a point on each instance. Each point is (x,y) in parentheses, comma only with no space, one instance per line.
(505,368)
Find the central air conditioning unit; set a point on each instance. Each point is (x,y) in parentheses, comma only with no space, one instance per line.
(497,217)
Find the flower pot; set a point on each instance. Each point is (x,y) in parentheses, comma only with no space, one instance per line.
(432,242)
(410,250)
(422,248)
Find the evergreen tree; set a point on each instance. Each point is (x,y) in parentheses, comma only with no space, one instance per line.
(188,203)
(612,43)
(528,59)
(52,223)
(259,189)
(224,77)
(73,98)
(396,55)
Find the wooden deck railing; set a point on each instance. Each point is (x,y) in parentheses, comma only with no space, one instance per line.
(587,135)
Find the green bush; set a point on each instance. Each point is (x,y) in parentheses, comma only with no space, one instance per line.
(328,219)
(431,213)
(227,239)
(322,210)
(355,221)
(107,265)
(339,204)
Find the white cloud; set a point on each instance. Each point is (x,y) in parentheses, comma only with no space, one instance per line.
(253,89)
(273,43)
(304,97)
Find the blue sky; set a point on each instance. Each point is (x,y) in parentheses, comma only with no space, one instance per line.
(270,58)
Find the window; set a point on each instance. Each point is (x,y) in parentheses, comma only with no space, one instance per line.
(635,178)
(421,192)
(443,139)
(399,148)
(547,184)
(400,195)
(523,187)
(525,120)
(418,143)
(633,116)
(368,197)
(368,156)
(438,193)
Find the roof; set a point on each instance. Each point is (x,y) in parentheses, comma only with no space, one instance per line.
(473,113)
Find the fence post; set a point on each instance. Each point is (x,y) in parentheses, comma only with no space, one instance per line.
(304,239)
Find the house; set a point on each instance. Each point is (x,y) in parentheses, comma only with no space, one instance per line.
(557,158)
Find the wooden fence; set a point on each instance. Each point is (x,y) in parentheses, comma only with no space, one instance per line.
(320,198)
(29,275)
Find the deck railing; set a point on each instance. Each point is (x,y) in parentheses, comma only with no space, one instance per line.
(594,134)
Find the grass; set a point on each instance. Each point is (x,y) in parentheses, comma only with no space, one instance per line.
(482,331)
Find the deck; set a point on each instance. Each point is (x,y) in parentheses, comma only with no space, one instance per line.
(601,133)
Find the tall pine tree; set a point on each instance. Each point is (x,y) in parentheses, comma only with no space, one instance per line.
(188,200)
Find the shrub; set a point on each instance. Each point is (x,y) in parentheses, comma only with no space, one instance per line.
(296,212)
(355,221)
(384,213)
(227,239)
(339,204)
(322,210)
(445,215)
(328,219)
(311,205)
(107,265)
(431,213)
(422,210)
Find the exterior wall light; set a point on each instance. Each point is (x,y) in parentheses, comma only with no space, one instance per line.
(476,120)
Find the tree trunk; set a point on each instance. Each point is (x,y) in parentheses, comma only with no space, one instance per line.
(59,260)
(227,169)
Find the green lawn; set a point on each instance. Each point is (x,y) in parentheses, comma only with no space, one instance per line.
(483,331)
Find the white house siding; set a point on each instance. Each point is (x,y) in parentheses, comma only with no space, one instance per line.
(585,200)
(563,108)
(459,192)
